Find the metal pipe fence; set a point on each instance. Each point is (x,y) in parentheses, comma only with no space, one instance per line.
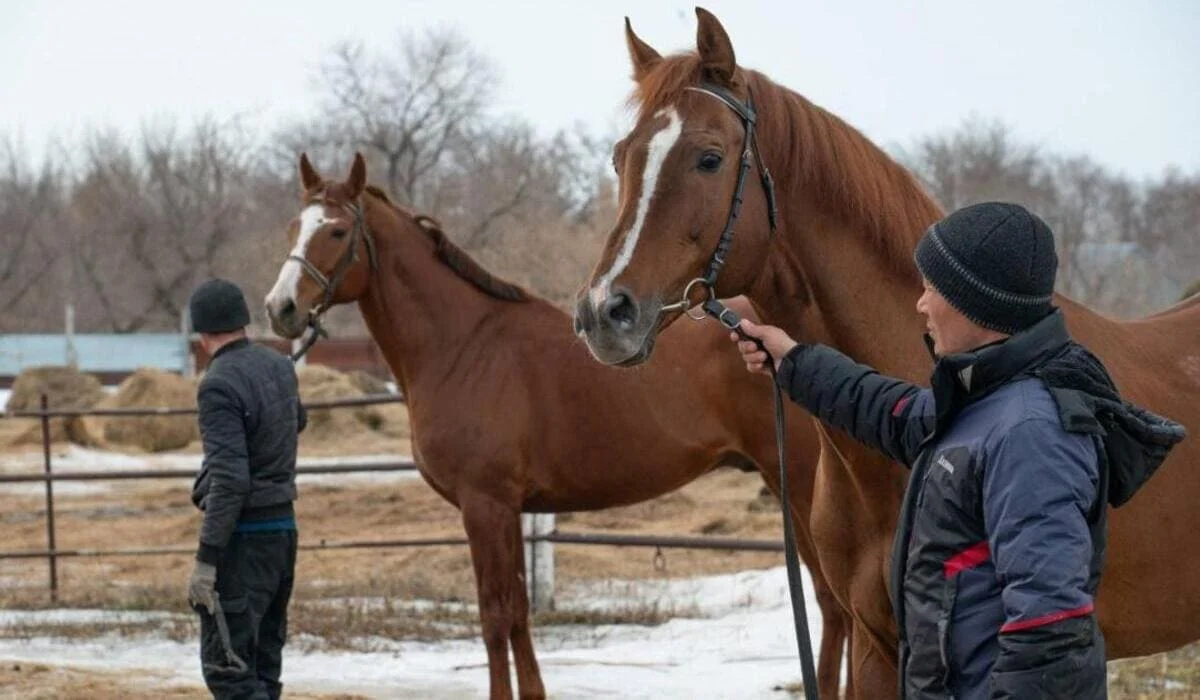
(49,476)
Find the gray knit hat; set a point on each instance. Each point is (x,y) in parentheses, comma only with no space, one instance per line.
(994,262)
(218,306)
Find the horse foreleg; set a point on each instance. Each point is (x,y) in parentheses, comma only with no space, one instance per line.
(490,527)
(848,627)
(873,671)
(833,638)
(529,676)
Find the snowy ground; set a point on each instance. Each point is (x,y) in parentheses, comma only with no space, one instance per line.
(739,644)
(742,645)
(72,458)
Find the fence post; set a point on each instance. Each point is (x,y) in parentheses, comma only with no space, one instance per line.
(52,551)
(539,560)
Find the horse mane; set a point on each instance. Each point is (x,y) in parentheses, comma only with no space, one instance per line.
(454,257)
(831,160)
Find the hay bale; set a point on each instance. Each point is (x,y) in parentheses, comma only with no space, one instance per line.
(390,419)
(322,383)
(341,425)
(148,387)
(1192,290)
(65,388)
(368,383)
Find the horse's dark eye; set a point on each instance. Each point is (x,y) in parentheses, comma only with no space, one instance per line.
(339,233)
(710,162)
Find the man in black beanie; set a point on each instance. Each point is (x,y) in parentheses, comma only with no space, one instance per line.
(250,418)
(1000,544)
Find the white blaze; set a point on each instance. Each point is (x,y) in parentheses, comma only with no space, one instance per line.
(656,154)
(311,221)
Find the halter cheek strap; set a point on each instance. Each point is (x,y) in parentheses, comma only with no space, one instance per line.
(330,284)
(748,117)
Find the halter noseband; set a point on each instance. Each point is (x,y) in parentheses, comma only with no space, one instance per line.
(330,284)
(746,113)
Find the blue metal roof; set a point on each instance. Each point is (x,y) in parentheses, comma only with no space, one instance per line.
(95,352)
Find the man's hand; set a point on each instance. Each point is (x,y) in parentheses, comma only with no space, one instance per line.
(201,586)
(774,339)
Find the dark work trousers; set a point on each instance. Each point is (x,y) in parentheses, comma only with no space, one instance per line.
(254,585)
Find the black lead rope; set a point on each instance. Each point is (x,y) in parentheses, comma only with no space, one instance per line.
(729,318)
(726,316)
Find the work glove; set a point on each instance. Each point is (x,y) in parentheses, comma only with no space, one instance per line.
(201,586)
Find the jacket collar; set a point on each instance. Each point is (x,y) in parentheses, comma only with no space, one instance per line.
(229,347)
(961,378)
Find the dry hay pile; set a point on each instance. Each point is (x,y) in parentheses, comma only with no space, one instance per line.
(343,425)
(148,388)
(368,383)
(65,388)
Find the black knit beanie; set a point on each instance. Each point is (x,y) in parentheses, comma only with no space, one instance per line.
(994,262)
(218,306)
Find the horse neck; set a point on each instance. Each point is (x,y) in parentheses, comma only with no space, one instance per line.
(849,219)
(419,311)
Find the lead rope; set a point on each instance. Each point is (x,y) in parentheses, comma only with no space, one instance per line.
(728,318)
(233,662)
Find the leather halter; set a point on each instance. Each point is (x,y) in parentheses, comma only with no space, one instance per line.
(745,112)
(329,284)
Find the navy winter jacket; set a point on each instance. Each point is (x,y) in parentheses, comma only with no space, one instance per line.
(1000,544)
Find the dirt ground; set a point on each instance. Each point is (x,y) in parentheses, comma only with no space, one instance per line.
(41,682)
(159,513)
(151,514)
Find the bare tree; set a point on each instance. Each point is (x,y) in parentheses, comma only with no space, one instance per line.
(977,162)
(150,223)
(1170,224)
(1116,240)
(29,204)
(405,109)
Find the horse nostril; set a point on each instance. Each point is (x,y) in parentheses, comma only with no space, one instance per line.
(583,317)
(620,311)
(288,309)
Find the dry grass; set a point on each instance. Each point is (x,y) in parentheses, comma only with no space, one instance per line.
(30,681)
(161,514)
(1172,675)
(724,503)
(345,599)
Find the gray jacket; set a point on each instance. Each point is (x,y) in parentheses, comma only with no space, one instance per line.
(250,420)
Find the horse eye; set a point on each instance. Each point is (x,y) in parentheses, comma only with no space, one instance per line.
(710,162)
(339,233)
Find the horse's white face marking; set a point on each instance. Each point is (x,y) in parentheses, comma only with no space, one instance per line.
(656,154)
(287,285)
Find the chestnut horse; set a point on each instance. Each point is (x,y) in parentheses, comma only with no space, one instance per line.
(508,411)
(839,249)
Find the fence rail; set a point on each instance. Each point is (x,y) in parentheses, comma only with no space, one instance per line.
(48,476)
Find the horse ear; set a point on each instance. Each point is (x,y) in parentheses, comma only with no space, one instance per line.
(309,178)
(715,49)
(358,176)
(643,56)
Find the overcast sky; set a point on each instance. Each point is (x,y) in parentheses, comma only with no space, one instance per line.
(1116,80)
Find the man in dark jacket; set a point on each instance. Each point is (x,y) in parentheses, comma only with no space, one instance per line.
(250,417)
(1016,450)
